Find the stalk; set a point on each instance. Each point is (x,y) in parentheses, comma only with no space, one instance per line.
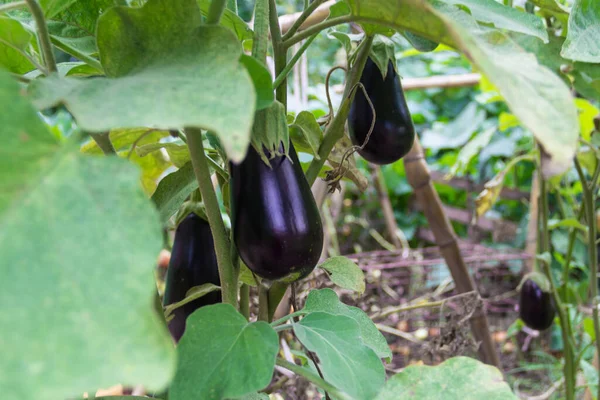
(279,52)
(103,141)
(43,35)
(303,17)
(313,378)
(216,10)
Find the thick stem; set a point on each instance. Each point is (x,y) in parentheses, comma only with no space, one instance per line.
(313,378)
(263,303)
(227,273)
(245,300)
(44,37)
(279,52)
(589,202)
(300,36)
(305,14)
(335,130)
(103,141)
(261,30)
(276,293)
(290,65)
(216,10)
(12,6)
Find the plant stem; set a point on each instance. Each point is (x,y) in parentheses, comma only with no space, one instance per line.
(290,65)
(216,10)
(245,300)
(287,317)
(263,303)
(570,247)
(12,6)
(589,202)
(44,37)
(227,272)
(232,5)
(300,36)
(314,378)
(279,52)
(335,130)
(305,14)
(276,293)
(563,317)
(103,141)
(261,30)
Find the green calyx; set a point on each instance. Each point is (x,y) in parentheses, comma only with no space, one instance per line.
(540,279)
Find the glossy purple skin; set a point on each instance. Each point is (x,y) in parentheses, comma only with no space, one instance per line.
(394,133)
(193,262)
(536,308)
(276,223)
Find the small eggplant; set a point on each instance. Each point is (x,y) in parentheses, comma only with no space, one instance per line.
(536,307)
(193,263)
(393,134)
(275,220)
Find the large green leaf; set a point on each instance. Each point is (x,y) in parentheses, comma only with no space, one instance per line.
(582,43)
(221,355)
(161,76)
(53,7)
(459,378)
(326,300)
(78,240)
(229,20)
(503,17)
(173,189)
(14,41)
(345,273)
(346,362)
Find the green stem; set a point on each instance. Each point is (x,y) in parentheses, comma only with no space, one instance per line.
(335,130)
(589,202)
(216,10)
(279,52)
(227,272)
(261,30)
(290,65)
(103,141)
(563,317)
(305,14)
(276,293)
(314,378)
(263,303)
(44,37)
(12,6)
(232,5)
(571,246)
(308,32)
(245,300)
(289,316)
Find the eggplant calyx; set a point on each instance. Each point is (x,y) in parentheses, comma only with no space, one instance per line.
(539,279)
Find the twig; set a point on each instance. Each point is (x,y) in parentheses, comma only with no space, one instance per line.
(43,35)
(290,65)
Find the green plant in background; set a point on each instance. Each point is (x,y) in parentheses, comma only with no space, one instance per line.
(168,86)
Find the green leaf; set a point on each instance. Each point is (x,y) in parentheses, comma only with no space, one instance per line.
(194,293)
(14,36)
(172,191)
(326,300)
(382,52)
(507,121)
(420,43)
(504,17)
(221,355)
(346,362)
(456,132)
(458,378)
(306,134)
(74,230)
(229,20)
(581,43)
(470,150)
(262,80)
(567,223)
(551,5)
(587,113)
(53,7)
(178,153)
(590,373)
(345,273)
(123,139)
(162,77)
(270,131)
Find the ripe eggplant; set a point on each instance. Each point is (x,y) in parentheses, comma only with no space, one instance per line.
(275,220)
(393,134)
(536,308)
(193,263)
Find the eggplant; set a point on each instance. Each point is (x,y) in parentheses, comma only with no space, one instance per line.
(276,223)
(193,263)
(536,307)
(393,134)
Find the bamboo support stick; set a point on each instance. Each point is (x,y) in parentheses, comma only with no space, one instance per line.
(386,206)
(417,173)
(532,226)
(319,15)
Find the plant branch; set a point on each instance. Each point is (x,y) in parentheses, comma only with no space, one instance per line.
(103,141)
(43,35)
(263,303)
(227,272)
(279,52)
(261,30)
(313,378)
(12,6)
(216,10)
(245,300)
(335,130)
(589,202)
(300,36)
(290,65)
(287,317)
(305,14)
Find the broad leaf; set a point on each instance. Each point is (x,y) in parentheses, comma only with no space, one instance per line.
(221,355)
(582,43)
(458,378)
(457,132)
(162,77)
(178,153)
(470,150)
(53,7)
(420,43)
(14,36)
(230,20)
(346,362)
(78,240)
(551,5)
(345,273)
(193,294)
(306,133)
(123,139)
(262,80)
(326,300)
(172,191)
